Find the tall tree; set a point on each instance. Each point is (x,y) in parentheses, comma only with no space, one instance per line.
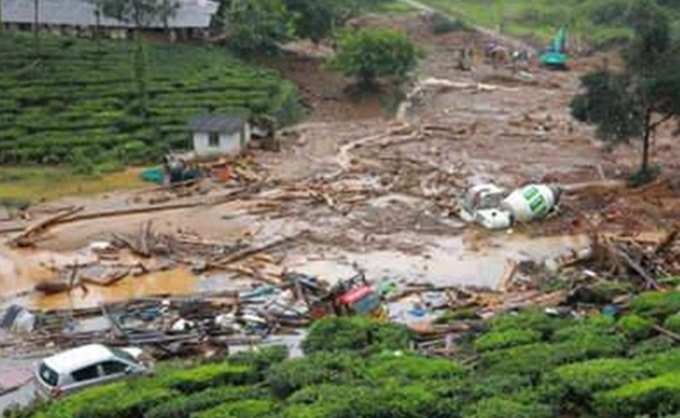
(141,14)
(369,54)
(317,19)
(256,25)
(634,102)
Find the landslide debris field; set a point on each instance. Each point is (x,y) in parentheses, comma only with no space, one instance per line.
(383,192)
(366,193)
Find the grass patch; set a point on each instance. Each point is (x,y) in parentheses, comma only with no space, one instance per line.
(34,184)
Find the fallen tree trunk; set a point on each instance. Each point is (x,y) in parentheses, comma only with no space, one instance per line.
(24,238)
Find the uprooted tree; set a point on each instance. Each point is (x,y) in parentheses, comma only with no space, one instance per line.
(634,102)
(140,13)
(369,54)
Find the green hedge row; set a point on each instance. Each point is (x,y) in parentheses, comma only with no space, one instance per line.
(82,94)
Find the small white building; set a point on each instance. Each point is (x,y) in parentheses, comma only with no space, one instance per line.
(215,135)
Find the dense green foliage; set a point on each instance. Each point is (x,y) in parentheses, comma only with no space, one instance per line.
(78,103)
(632,103)
(529,365)
(256,25)
(600,23)
(369,54)
(354,334)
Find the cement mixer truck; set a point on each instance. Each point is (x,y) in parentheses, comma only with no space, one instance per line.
(493,208)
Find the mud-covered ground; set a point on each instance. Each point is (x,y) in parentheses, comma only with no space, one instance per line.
(385,202)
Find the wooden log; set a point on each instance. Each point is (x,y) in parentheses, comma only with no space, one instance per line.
(668,333)
(24,238)
(249,252)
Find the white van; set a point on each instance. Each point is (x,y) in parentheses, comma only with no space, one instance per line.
(86,366)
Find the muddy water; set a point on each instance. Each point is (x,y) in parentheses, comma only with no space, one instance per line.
(173,282)
(446,261)
(451,262)
(21,270)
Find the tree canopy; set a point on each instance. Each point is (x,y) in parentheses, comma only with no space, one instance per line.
(632,103)
(369,54)
(256,25)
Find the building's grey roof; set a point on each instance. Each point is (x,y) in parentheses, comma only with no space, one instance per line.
(191,14)
(216,123)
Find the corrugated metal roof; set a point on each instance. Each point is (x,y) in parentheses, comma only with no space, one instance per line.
(191,14)
(216,123)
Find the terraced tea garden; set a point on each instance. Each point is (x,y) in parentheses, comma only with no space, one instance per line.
(78,97)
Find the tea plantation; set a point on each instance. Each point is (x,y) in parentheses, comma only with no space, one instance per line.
(78,97)
(526,365)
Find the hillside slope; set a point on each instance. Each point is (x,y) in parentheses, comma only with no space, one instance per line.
(79,94)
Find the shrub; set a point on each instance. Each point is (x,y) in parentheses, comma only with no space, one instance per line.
(534,359)
(444,24)
(532,319)
(119,400)
(183,407)
(656,396)
(499,407)
(412,368)
(252,408)
(658,305)
(672,323)
(591,326)
(355,334)
(581,380)
(369,54)
(490,385)
(505,339)
(635,327)
(287,377)
(658,344)
(261,359)
(205,376)
(134,152)
(357,401)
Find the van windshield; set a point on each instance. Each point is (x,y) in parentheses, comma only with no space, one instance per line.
(47,375)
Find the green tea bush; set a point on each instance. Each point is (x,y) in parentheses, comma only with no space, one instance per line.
(656,396)
(322,367)
(505,339)
(185,406)
(251,408)
(412,368)
(261,359)
(635,327)
(534,359)
(130,399)
(531,319)
(487,385)
(355,333)
(499,407)
(672,323)
(377,401)
(205,376)
(656,305)
(654,345)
